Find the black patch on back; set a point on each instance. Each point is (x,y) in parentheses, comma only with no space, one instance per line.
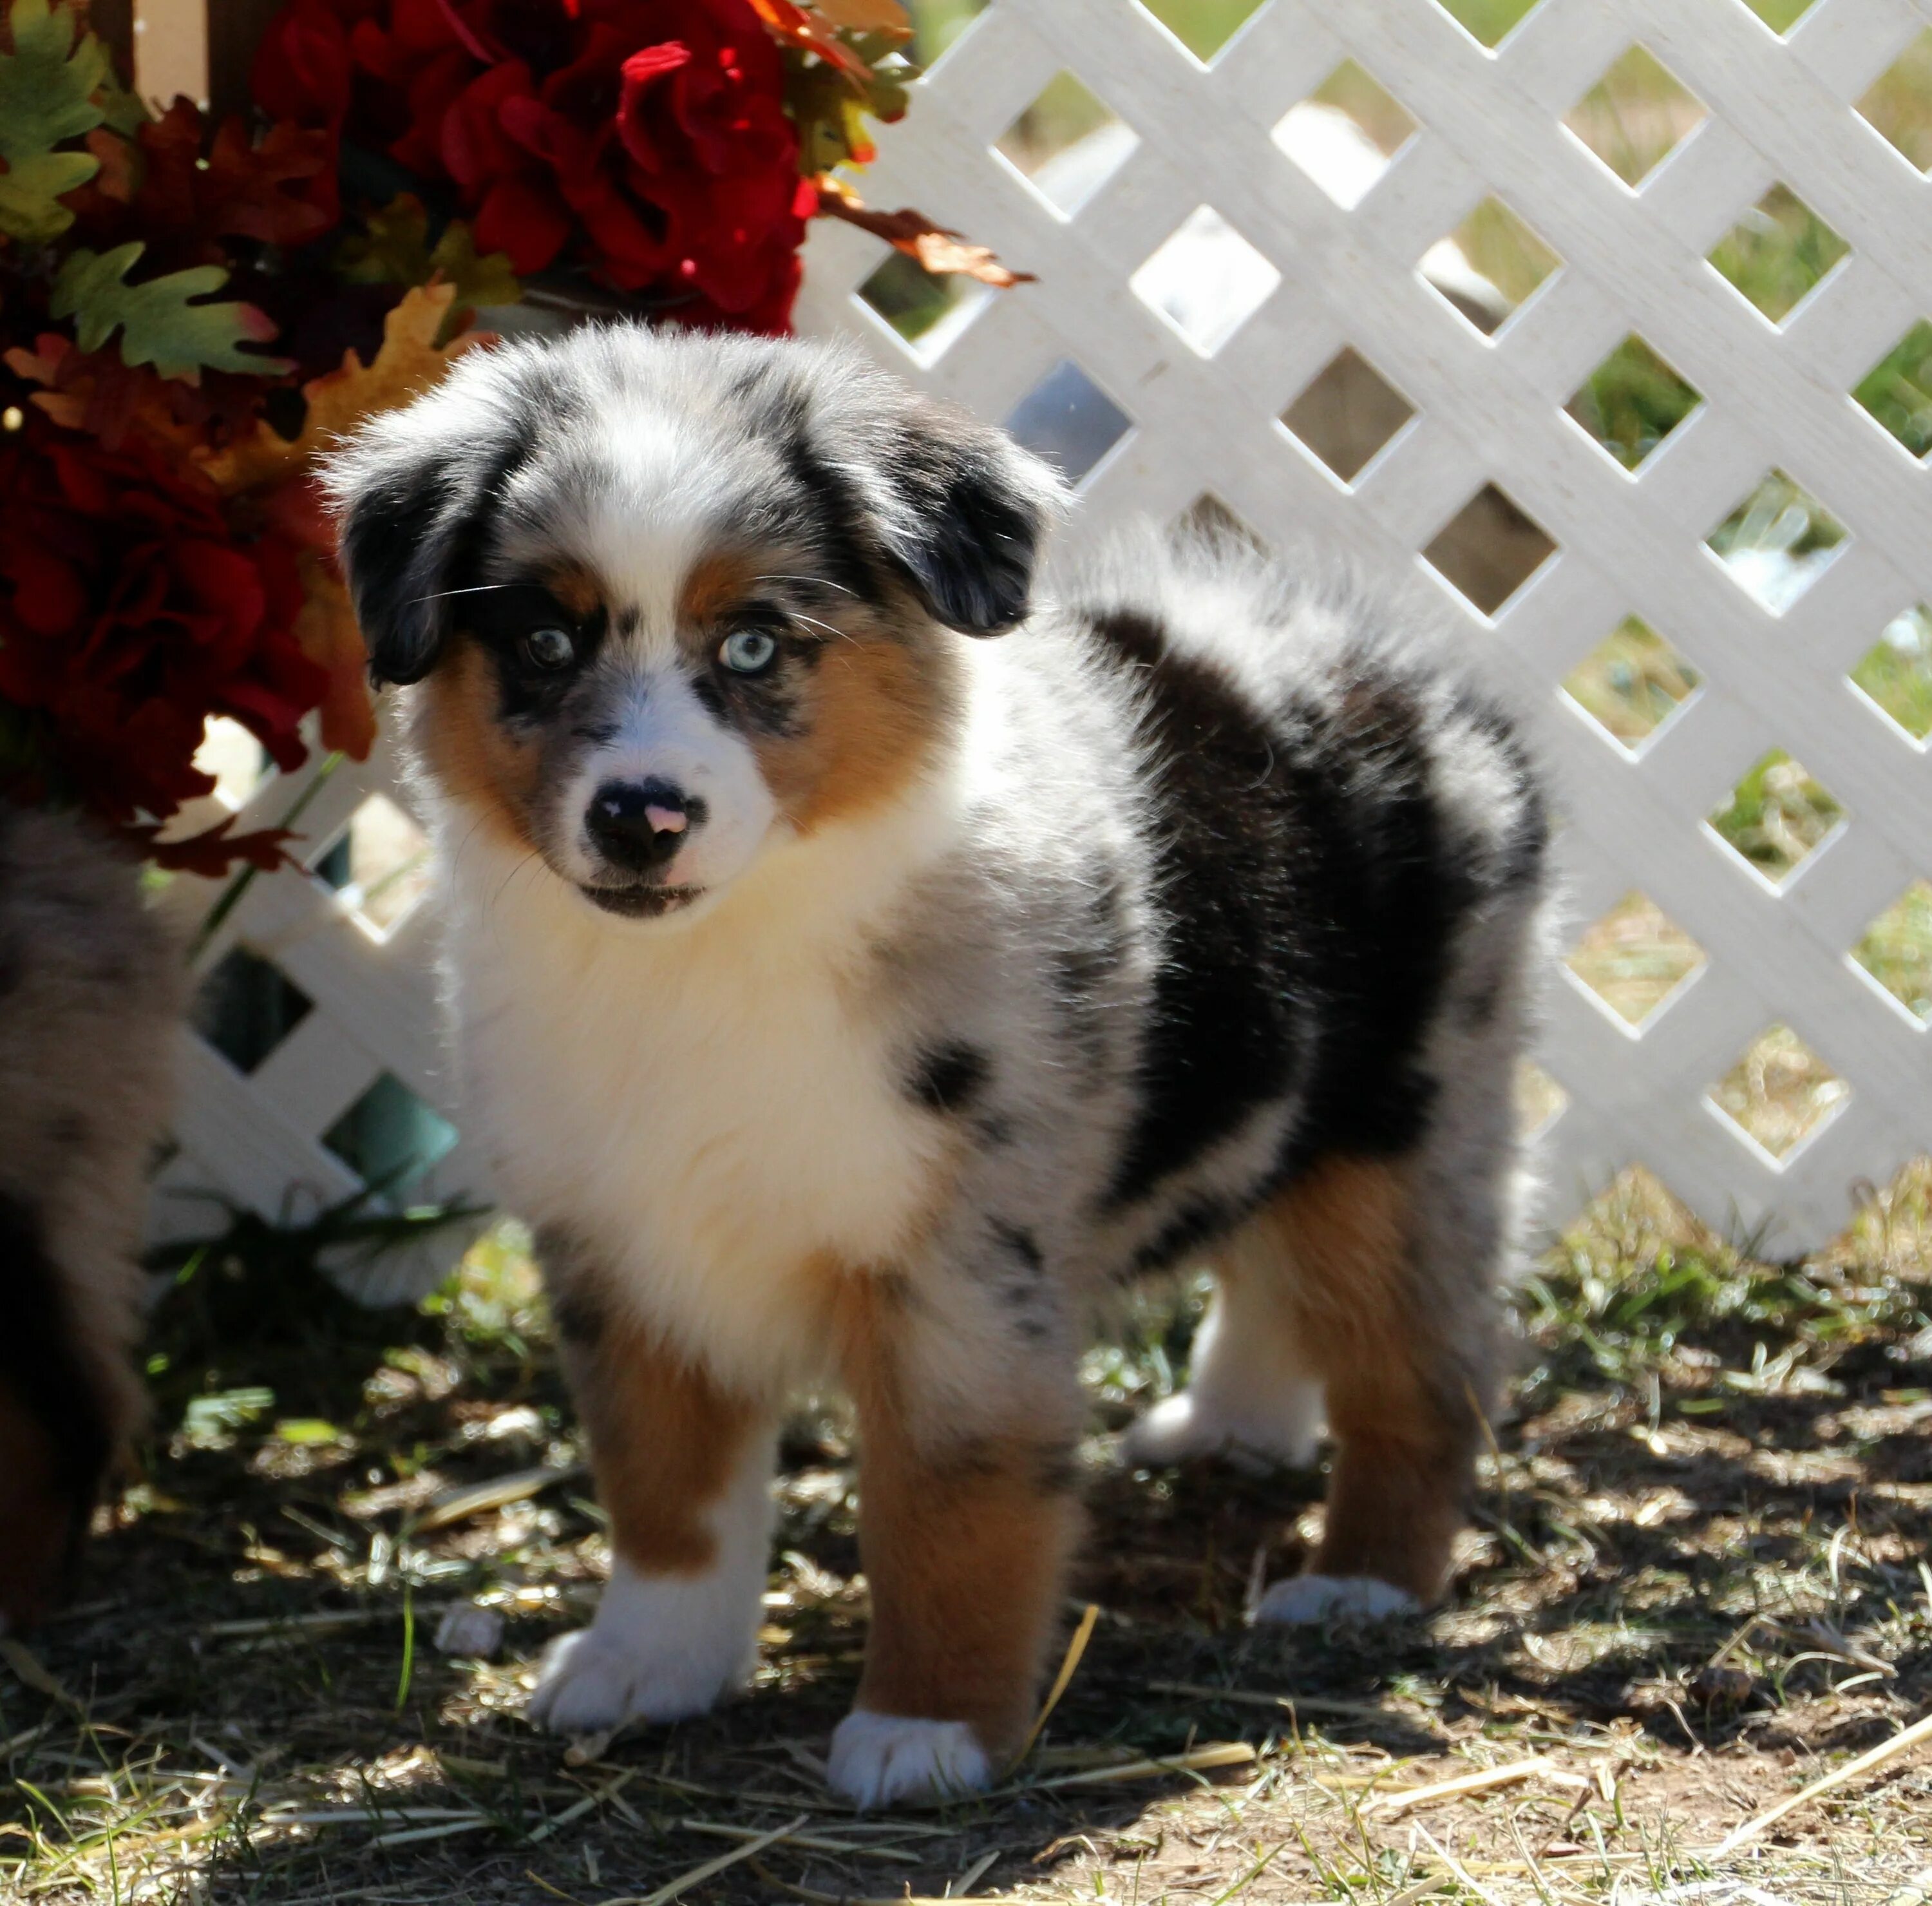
(948,1078)
(1311,901)
(1018,1242)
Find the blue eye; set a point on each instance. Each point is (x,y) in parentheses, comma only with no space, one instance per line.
(749,651)
(549,648)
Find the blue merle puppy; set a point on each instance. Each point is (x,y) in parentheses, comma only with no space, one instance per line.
(845,995)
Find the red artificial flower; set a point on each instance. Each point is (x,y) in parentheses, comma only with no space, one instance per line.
(645,141)
(129,612)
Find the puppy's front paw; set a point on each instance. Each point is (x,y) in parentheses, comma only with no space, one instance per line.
(662,1648)
(1305,1599)
(591,1681)
(879,1758)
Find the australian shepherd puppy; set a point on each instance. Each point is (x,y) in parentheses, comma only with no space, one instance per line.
(844,995)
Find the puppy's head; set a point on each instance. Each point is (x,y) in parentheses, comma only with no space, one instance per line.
(673,596)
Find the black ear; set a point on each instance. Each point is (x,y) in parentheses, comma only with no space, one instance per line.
(412,492)
(962,511)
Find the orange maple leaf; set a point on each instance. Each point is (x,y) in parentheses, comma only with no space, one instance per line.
(938,249)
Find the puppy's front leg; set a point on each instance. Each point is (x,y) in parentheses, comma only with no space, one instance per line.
(683,1470)
(967,1518)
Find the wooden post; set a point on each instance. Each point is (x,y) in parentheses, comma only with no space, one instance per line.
(235,29)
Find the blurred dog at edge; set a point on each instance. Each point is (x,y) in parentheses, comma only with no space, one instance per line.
(844,995)
(90,989)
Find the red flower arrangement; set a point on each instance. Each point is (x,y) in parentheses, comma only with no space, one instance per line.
(162,556)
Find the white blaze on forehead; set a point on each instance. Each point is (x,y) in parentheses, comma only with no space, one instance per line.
(643,497)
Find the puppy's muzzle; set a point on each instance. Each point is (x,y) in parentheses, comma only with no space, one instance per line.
(640,825)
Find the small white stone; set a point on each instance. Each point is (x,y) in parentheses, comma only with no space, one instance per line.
(470,1632)
(1304,1599)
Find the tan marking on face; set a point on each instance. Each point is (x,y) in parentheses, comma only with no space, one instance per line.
(966,1545)
(1405,1433)
(719,582)
(665,1442)
(577,588)
(472,756)
(872,714)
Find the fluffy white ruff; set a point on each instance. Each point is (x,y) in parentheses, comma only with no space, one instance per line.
(1305,1599)
(879,1758)
(666,1647)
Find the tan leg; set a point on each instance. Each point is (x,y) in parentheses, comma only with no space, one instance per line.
(683,1470)
(965,1533)
(1402,1355)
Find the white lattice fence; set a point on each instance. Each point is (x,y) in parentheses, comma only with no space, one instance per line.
(1157,422)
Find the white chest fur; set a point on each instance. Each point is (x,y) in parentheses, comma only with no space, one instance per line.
(715,1105)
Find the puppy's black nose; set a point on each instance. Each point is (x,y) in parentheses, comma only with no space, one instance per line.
(641,824)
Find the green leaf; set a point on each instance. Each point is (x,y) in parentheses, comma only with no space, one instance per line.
(30,193)
(157,323)
(394,249)
(47,83)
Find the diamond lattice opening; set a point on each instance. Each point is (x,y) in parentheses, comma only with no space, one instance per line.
(1897,389)
(246,1007)
(1345,133)
(1635,960)
(1636,115)
(1540,1100)
(1488,549)
(1777,817)
(1068,419)
(1203,27)
(1211,520)
(937,25)
(926,312)
(378,866)
(1488,21)
(1781,16)
(389,1138)
(1778,541)
(1349,413)
(1489,267)
(1206,280)
(1897,105)
(1778,253)
(1632,401)
(1896,950)
(1632,684)
(1896,676)
(1780,1093)
(1067,144)
(237,761)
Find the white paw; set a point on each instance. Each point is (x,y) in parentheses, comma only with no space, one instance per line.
(662,1648)
(592,1681)
(1179,1428)
(1306,1598)
(879,1758)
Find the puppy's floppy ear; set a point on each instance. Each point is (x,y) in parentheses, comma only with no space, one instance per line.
(961,510)
(410,491)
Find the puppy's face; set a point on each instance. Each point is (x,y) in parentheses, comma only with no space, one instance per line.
(675,598)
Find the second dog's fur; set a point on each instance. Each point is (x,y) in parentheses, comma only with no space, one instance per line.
(841,994)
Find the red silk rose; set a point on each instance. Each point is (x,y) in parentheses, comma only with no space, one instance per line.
(647,140)
(129,612)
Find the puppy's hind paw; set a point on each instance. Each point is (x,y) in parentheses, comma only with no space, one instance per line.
(879,1758)
(1303,1599)
(1182,1428)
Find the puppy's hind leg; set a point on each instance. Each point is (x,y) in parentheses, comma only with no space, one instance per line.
(1251,1394)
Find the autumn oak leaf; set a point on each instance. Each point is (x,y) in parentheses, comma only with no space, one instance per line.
(936,249)
(47,88)
(158,322)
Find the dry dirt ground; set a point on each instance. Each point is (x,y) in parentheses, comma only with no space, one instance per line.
(1697,1584)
